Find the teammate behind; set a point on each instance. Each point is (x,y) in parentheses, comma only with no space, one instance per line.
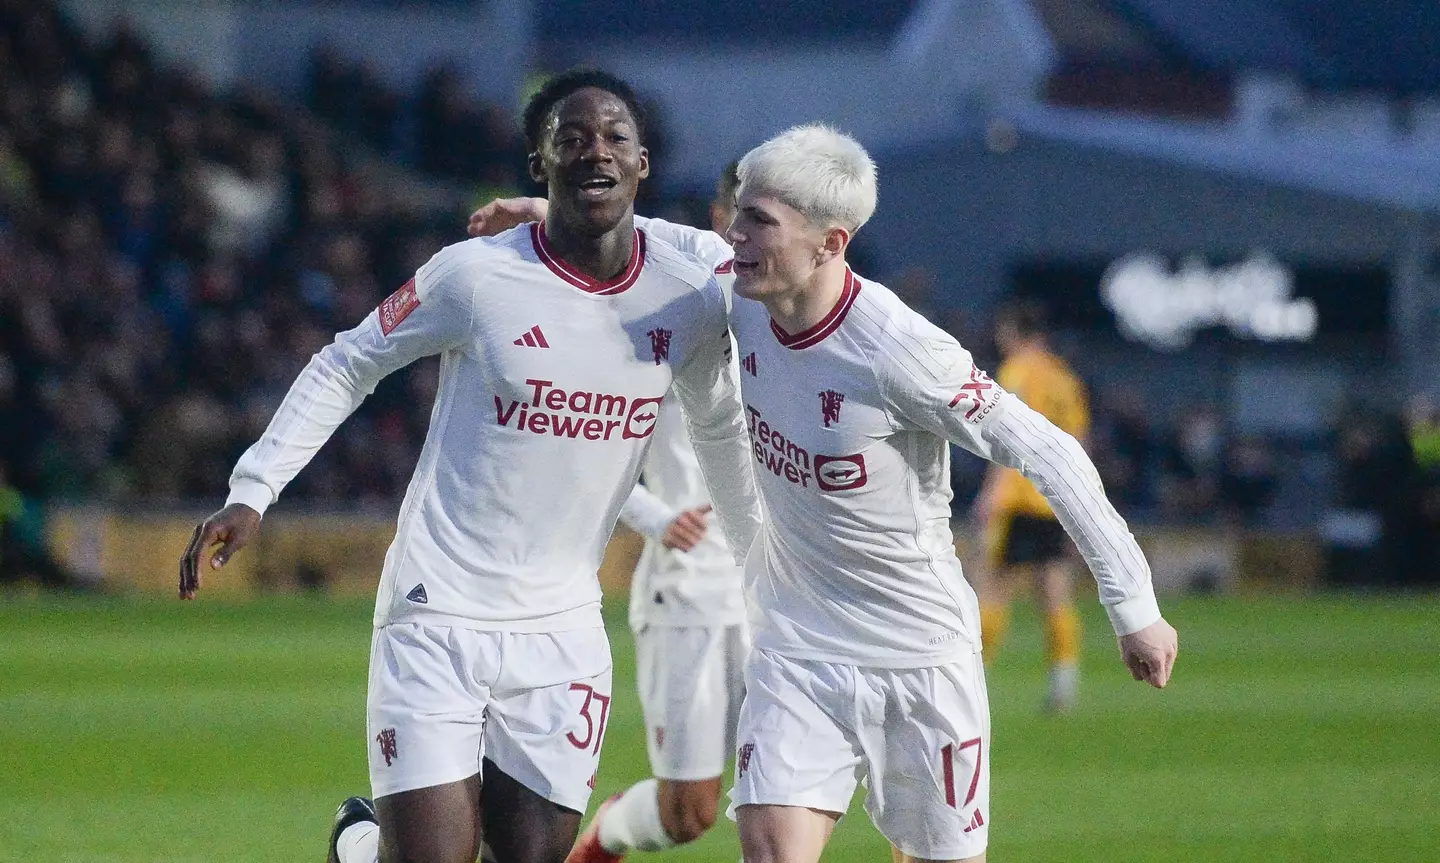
(687,613)
(1023,538)
(558,343)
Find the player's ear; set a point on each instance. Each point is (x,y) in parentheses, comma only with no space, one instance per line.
(644,163)
(536,166)
(837,239)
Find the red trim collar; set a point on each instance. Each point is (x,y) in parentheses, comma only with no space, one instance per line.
(828,324)
(586,283)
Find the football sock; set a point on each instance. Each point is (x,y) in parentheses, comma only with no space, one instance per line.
(359,843)
(633,821)
(1064,687)
(1062,636)
(994,624)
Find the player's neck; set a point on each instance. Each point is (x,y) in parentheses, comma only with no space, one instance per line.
(797,310)
(601,257)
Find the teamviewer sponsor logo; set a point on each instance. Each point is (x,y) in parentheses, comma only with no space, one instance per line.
(840,473)
(777,453)
(578,414)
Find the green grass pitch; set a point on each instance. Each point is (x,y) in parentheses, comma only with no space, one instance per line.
(1295,730)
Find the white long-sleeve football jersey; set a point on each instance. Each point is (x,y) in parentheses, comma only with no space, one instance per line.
(850,423)
(551,384)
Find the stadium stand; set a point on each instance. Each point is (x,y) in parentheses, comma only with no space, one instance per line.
(169,256)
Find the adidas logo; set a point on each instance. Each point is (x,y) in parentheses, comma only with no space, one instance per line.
(417,595)
(748,364)
(976,822)
(533,339)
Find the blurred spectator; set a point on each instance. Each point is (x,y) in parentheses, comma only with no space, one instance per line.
(1192,464)
(354,98)
(916,287)
(23,555)
(1371,534)
(1422,419)
(461,137)
(1248,480)
(1122,444)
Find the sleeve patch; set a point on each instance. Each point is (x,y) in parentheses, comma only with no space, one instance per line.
(978,397)
(398,306)
(726,267)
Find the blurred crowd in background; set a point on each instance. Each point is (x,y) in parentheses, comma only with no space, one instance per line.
(171,256)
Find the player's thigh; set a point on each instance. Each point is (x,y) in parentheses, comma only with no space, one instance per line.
(426,699)
(995,540)
(440,824)
(930,785)
(521,826)
(1054,583)
(549,711)
(797,741)
(783,834)
(685,675)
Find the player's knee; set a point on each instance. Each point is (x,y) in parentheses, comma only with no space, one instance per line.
(688,816)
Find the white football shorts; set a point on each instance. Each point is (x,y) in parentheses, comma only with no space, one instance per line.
(442,698)
(691,681)
(918,737)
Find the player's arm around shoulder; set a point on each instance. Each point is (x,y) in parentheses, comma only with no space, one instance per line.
(930,382)
(502,214)
(705,245)
(708,386)
(706,381)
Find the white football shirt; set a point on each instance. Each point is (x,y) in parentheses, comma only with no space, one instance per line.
(850,423)
(551,384)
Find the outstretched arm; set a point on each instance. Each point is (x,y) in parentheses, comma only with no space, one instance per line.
(1054,461)
(430,314)
(932,383)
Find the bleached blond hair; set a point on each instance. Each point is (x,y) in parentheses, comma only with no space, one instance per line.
(824,174)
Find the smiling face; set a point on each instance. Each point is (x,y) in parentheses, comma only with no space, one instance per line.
(591,159)
(777,250)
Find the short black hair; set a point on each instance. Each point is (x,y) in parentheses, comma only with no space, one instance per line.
(537,110)
(1027,316)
